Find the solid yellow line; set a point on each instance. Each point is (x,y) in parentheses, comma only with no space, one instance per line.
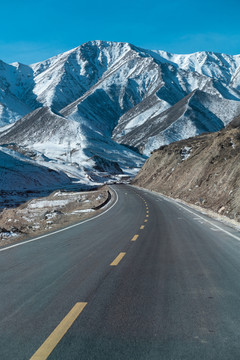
(118,259)
(47,347)
(135,237)
(142,227)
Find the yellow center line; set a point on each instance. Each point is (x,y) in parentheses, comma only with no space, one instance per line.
(135,237)
(118,259)
(147,212)
(145,220)
(51,342)
(147,215)
(142,227)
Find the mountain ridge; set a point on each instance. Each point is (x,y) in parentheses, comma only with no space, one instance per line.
(29,83)
(105,99)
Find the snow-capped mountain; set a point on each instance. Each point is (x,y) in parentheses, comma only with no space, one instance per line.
(213,65)
(60,143)
(119,69)
(196,113)
(92,100)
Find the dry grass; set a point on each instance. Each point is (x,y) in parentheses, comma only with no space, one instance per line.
(209,177)
(41,215)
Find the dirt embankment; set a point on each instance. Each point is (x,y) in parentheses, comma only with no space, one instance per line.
(204,171)
(45,214)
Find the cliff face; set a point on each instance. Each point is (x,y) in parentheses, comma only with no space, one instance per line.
(204,170)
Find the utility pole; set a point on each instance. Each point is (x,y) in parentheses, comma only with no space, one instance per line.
(80,152)
(69,156)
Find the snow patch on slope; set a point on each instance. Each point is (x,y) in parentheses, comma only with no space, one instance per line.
(19,173)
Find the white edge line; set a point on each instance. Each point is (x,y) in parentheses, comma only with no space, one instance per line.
(61,230)
(192,212)
(210,222)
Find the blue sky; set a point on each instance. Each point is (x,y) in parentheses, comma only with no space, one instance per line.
(33,31)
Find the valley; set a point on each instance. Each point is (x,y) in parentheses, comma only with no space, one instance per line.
(94,115)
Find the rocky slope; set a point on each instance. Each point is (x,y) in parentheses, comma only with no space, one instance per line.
(204,170)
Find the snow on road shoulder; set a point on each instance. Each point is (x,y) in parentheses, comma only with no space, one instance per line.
(39,204)
(41,215)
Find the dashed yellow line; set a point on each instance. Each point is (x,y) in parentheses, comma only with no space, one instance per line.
(51,342)
(118,259)
(47,347)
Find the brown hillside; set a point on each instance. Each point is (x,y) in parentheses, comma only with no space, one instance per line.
(204,170)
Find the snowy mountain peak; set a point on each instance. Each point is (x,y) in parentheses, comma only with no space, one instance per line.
(62,79)
(214,65)
(102,95)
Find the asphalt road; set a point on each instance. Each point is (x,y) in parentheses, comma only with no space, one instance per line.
(148,279)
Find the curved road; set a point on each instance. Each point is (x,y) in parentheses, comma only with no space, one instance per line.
(149,279)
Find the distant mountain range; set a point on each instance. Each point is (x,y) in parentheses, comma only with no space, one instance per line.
(107,105)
